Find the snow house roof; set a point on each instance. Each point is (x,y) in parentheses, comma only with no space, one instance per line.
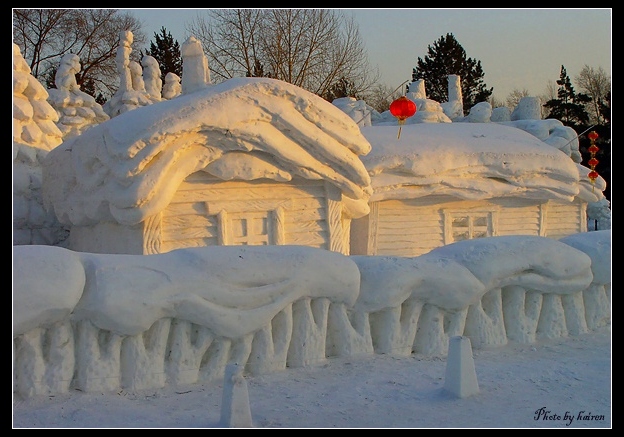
(129,167)
(472,161)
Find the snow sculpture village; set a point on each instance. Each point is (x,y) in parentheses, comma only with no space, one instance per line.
(184,227)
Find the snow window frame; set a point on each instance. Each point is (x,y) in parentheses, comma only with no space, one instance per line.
(275,227)
(471,223)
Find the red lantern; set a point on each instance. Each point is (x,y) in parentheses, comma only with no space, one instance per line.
(593,162)
(402,108)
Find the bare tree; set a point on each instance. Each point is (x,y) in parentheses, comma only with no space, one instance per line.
(311,48)
(381,96)
(493,100)
(550,93)
(45,35)
(230,41)
(596,84)
(514,97)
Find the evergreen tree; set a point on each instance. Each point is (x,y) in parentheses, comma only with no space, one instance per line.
(258,70)
(166,51)
(342,88)
(569,107)
(446,57)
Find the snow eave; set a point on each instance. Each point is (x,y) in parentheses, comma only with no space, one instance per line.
(128,168)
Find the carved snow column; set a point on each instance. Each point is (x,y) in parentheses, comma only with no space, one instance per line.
(98,358)
(393,330)
(337,238)
(122,100)
(44,360)
(597,300)
(348,332)
(195,64)
(269,348)
(143,357)
(193,345)
(224,235)
(309,332)
(152,234)
(574,311)
(543,219)
(435,327)
(552,319)
(136,74)
(485,322)
(241,349)
(417,90)
(190,345)
(122,59)
(455,90)
(151,78)
(522,310)
(373,228)
(277,222)
(215,360)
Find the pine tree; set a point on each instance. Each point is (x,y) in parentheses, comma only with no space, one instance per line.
(167,52)
(258,70)
(446,57)
(341,88)
(569,107)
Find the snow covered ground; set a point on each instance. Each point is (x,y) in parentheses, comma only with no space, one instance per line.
(569,378)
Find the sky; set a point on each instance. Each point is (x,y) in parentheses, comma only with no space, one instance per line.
(93,334)
(519,49)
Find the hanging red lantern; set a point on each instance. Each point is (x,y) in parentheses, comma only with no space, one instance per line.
(402,108)
(593,162)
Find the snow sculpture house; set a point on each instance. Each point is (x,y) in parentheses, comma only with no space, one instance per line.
(250,161)
(445,182)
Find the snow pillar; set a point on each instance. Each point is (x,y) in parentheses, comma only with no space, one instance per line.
(461,377)
(235,410)
(195,65)
(454,88)
(417,90)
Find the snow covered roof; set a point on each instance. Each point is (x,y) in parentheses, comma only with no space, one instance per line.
(128,168)
(471,161)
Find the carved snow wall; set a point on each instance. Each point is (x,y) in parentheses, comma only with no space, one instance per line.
(138,322)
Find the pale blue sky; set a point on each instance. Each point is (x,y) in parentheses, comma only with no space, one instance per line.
(518,48)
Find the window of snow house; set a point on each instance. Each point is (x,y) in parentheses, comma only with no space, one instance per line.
(467,225)
(251,228)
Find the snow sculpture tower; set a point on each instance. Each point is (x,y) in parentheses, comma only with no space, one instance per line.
(131,93)
(151,78)
(454,108)
(34,135)
(196,71)
(77,110)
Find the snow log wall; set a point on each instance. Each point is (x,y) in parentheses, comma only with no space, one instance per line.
(211,212)
(206,211)
(413,227)
(386,305)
